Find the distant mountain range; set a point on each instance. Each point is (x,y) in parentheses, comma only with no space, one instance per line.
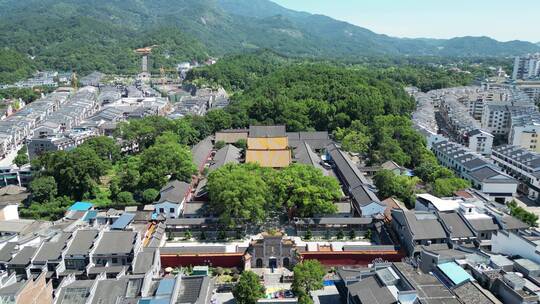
(65,33)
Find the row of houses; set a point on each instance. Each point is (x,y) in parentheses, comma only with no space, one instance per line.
(471,166)
(15,129)
(90,256)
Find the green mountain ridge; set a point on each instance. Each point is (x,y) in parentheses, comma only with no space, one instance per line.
(101,34)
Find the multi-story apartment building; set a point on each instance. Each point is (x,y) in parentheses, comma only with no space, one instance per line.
(526,67)
(471,166)
(522,164)
(525,130)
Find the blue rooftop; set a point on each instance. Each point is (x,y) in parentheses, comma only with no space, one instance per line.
(90,215)
(165,287)
(81,206)
(455,273)
(122,222)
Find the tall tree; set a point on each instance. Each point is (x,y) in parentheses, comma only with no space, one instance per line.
(238,194)
(249,289)
(163,161)
(105,147)
(22,157)
(305,191)
(308,276)
(392,185)
(43,189)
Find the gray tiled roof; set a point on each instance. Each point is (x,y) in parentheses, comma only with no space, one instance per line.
(108,291)
(193,249)
(24,256)
(201,151)
(116,242)
(510,222)
(174,191)
(82,242)
(49,251)
(475,163)
(348,170)
(363,196)
(7,251)
(266,131)
(144,261)
(483,224)
(194,290)
(225,155)
(369,290)
(455,225)
(423,225)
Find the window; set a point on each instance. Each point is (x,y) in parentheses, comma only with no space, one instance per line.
(161,210)
(115,260)
(171,210)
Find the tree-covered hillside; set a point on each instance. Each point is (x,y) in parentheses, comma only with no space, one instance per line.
(14,66)
(101,34)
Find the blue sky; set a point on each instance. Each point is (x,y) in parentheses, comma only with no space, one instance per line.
(500,19)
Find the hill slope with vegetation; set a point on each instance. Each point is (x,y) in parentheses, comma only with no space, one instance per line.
(101,35)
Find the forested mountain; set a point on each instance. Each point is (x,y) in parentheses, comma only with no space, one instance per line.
(101,34)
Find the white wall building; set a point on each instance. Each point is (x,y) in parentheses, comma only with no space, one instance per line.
(522,164)
(471,166)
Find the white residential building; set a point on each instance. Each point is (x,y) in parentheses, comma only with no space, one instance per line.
(471,166)
(522,164)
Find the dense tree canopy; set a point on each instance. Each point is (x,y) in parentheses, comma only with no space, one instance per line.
(305,191)
(43,189)
(447,186)
(105,147)
(14,66)
(163,161)
(76,172)
(308,276)
(248,193)
(239,194)
(22,157)
(249,289)
(401,187)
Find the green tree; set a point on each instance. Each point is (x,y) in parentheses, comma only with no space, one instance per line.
(238,194)
(22,157)
(447,186)
(352,234)
(340,234)
(150,195)
(128,174)
(162,160)
(105,147)
(308,234)
(355,142)
(48,211)
(401,187)
(218,145)
(241,144)
(43,189)
(305,191)
(369,234)
(188,235)
(76,172)
(248,290)
(308,276)
(125,198)
(525,216)
(218,120)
